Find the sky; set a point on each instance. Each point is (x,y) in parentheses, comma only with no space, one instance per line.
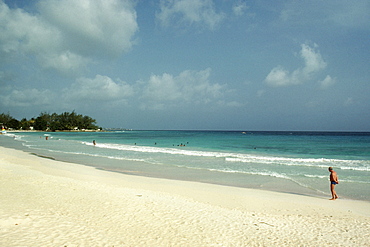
(189,64)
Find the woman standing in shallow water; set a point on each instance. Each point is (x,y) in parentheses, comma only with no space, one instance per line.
(333,182)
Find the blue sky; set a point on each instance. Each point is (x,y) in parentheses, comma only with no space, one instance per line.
(189,64)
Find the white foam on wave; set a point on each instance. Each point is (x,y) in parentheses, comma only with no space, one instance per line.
(16,137)
(314,176)
(86,154)
(353,181)
(270,174)
(148,149)
(356,165)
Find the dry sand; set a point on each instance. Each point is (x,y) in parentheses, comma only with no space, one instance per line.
(50,203)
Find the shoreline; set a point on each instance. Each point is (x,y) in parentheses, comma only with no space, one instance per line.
(210,130)
(49,202)
(183,174)
(139,168)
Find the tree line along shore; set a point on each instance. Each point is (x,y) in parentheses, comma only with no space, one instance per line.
(65,121)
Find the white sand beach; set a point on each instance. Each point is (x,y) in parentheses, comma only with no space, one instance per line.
(44,202)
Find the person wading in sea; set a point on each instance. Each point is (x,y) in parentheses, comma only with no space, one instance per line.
(333,182)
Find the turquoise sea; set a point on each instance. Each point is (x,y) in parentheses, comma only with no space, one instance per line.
(291,162)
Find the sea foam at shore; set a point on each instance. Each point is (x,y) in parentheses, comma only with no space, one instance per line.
(294,162)
(45,202)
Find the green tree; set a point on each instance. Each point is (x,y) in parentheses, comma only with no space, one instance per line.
(14,124)
(42,122)
(53,122)
(88,123)
(65,120)
(25,124)
(8,121)
(5,118)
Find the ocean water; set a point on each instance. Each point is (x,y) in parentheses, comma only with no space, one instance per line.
(292,162)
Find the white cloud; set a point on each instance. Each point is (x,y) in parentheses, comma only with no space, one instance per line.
(188,12)
(278,76)
(23,32)
(313,63)
(162,88)
(65,62)
(239,8)
(327,82)
(188,87)
(92,27)
(313,60)
(99,89)
(85,91)
(27,98)
(66,33)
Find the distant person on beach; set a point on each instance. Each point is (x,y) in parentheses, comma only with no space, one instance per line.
(333,182)
(94,142)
